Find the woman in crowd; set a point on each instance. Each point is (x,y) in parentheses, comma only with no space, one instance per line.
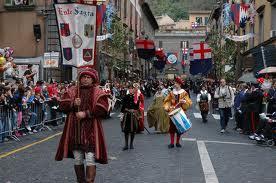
(156,115)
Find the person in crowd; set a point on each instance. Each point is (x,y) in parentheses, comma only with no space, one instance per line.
(225,96)
(139,96)
(164,89)
(130,116)
(83,136)
(18,96)
(185,84)
(29,75)
(253,99)
(203,99)
(239,106)
(176,98)
(271,108)
(27,101)
(156,115)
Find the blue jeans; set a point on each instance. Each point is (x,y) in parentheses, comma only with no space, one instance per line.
(14,120)
(1,131)
(224,116)
(33,120)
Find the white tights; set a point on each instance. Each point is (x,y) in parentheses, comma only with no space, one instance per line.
(79,158)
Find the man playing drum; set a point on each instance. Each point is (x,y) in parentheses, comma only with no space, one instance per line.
(178,98)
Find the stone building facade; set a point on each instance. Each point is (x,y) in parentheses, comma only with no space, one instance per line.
(175,42)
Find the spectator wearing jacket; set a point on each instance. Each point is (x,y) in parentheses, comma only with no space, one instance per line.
(225,96)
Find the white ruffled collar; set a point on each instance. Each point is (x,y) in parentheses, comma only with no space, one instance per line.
(138,92)
(204,92)
(175,92)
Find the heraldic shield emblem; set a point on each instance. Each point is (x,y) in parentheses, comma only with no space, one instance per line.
(67,54)
(64,29)
(77,41)
(88,30)
(87,55)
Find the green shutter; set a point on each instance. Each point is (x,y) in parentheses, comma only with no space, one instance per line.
(8,2)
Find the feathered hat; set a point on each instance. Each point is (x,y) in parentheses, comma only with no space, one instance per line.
(179,80)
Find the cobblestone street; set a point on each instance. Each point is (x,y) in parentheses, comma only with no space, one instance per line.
(232,156)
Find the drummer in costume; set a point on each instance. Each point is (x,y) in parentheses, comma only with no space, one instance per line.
(176,98)
(203,99)
(131,116)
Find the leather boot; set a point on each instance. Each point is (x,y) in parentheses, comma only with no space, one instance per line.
(79,169)
(90,174)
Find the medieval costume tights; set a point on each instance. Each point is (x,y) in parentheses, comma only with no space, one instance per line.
(79,158)
(177,138)
(132,135)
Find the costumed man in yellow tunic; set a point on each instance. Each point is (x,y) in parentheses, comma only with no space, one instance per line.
(176,98)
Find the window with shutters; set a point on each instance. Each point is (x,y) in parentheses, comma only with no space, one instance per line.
(125,8)
(184,44)
(261,28)
(206,20)
(160,44)
(19,4)
(199,20)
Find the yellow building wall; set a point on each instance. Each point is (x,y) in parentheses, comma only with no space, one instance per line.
(267,21)
(17,32)
(192,17)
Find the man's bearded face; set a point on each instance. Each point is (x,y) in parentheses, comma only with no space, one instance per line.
(86,80)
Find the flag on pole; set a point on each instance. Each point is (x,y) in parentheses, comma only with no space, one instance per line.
(184,56)
(145,48)
(202,59)
(240,14)
(77,30)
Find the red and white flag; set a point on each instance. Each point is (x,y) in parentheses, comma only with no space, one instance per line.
(201,51)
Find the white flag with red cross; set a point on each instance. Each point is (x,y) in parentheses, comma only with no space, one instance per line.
(201,51)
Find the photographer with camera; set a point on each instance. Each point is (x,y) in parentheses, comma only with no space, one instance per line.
(225,96)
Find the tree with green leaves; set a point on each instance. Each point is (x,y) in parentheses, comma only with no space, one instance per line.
(117,46)
(223,51)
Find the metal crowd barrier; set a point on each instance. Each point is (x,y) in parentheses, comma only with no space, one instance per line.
(37,116)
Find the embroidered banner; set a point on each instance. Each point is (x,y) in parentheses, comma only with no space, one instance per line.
(104,37)
(77,30)
(239,38)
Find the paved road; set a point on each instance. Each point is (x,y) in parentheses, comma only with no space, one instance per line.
(206,156)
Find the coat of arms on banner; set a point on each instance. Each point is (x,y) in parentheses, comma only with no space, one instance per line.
(64,29)
(67,54)
(76,41)
(88,30)
(87,55)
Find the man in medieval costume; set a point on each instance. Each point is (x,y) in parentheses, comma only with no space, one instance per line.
(83,137)
(175,99)
(131,115)
(203,99)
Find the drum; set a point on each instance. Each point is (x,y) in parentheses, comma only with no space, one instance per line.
(180,120)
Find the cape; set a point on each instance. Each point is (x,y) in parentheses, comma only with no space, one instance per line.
(99,109)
